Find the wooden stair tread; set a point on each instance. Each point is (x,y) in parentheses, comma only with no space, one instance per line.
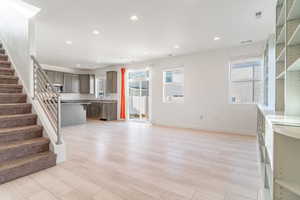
(21,128)
(15,97)
(14,104)
(12,94)
(15,109)
(34,141)
(4,61)
(8,77)
(11,85)
(17,116)
(22,161)
(7,69)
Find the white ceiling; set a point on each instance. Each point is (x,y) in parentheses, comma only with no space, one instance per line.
(191,24)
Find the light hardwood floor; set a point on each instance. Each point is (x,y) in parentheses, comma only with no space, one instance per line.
(136,161)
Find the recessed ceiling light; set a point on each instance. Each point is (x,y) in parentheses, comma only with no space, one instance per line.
(176,46)
(96,32)
(69,42)
(216,38)
(134,18)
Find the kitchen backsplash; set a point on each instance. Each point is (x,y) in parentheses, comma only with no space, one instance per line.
(76,96)
(111,97)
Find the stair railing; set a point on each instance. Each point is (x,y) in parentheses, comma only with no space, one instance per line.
(49,99)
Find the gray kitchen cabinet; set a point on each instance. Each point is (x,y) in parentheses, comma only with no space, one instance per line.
(87,83)
(75,83)
(84,83)
(104,110)
(111,82)
(59,78)
(93,110)
(50,75)
(67,83)
(55,77)
(108,111)
(71,83)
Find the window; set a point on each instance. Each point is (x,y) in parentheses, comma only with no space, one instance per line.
(173,85)
(246,82)
(101,87)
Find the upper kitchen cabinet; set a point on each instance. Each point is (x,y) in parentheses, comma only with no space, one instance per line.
(75,83)
(87,84)
(71,83)
(111,82)
(56,77)
(84,83)
(67,83)
(50,75)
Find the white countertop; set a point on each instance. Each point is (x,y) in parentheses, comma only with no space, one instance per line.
(279,118)
(282,124)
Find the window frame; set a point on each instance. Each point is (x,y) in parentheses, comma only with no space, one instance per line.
(164,100)
(253,80)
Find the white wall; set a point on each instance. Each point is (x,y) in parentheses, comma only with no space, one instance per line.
(14,32)
(206,92)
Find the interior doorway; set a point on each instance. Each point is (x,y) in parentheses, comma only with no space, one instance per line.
(138,95)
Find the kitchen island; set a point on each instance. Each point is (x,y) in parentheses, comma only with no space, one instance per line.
(103,110)
(73,112)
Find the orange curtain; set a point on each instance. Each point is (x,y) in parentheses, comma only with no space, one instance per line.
(123,97)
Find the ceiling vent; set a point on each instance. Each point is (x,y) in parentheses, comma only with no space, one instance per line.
(258,15)
(246,42)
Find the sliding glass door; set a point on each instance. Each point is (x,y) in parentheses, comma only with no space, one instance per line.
(138,95)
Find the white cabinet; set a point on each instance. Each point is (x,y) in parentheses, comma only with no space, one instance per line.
(279,150)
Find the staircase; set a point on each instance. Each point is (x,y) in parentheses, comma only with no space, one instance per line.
(23,149)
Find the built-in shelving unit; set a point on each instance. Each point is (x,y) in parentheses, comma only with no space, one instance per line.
(294,35)
(288,56)
(278,130)
(280,72)
(294,10)
(280,13)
